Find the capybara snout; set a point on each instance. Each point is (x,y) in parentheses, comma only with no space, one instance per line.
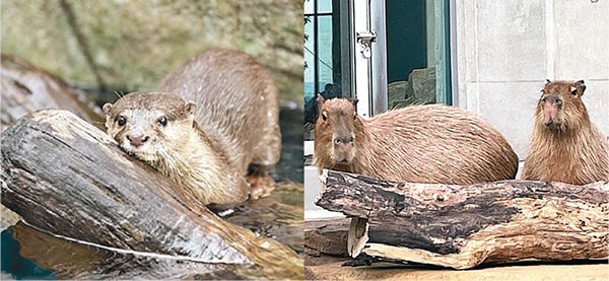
(551,106)
(344,146)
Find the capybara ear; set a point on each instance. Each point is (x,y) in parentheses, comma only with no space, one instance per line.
(320,101)
(107,108)
(548,82)
(580,86)
(354,102)
(190,107)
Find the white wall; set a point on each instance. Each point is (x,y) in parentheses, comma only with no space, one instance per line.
(506,50)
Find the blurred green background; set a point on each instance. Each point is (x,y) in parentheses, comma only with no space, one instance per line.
(132,44)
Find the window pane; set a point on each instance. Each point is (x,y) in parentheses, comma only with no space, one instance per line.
(324,61)
(309,71)
(308,6)
(324,6)
(417,62)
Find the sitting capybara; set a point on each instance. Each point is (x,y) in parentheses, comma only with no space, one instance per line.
(423,144)
(565,145)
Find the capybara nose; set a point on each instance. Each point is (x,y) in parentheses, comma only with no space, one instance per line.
(137,140)
(343,140)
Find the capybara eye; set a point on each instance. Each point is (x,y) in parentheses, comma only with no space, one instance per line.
(351,139)
(324,117)
(163,121)
(121,121)
(574,92)
(558,102)
(337,141)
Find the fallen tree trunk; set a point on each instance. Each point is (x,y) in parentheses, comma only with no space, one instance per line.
(464,226)
(68,178)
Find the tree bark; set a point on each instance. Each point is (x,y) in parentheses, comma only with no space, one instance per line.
(464,226)
(68,178)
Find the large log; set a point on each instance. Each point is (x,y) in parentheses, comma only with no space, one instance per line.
(464,226)
(65,177)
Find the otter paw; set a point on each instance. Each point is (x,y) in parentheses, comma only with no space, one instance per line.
(260,186)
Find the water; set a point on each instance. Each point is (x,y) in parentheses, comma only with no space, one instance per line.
(29,254)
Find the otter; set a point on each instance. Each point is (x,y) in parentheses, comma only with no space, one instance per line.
(237,107)
(421,143)
(214,119)
(565,145)
(160,129)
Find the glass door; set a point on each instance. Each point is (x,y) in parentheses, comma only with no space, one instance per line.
(418,63)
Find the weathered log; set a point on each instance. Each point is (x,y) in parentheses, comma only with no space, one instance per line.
(26,88)
(68,178)
(464,226)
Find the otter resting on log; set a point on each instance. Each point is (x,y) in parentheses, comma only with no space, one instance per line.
(68,178)
(462,226)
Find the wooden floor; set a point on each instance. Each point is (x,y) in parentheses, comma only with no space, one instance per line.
(329,268)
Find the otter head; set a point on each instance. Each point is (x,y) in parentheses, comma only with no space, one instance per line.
(560,106)
(147,125)
(335,127)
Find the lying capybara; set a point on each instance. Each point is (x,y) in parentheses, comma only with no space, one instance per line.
(423,144)
(565,145)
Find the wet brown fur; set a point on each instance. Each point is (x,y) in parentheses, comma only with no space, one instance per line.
(570,150)
(179,150)
(423,144)
(235,123)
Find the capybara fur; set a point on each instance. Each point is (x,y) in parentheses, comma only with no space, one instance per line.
(422,144)
(565,145)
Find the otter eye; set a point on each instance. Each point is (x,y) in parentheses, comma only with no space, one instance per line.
(574,92)
(163,121)
(324,116)
(121,121)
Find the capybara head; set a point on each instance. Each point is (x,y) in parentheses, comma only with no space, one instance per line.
(149,125)
(560,107)
(336,129)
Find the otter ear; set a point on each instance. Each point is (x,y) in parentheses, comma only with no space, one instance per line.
(107,108)
(580,86)
(190,107)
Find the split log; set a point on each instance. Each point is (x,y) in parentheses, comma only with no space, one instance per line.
(464,226)
(65,177)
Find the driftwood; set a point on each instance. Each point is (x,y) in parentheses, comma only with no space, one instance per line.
(26,88)
(464,226)
(65,177)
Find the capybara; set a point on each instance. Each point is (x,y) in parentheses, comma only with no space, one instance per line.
(421,143)
(565,145)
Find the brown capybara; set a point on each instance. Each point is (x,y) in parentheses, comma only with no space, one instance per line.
(422,143)
(565,145)
(215,115)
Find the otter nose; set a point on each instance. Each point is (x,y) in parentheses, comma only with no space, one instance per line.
(137,140)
